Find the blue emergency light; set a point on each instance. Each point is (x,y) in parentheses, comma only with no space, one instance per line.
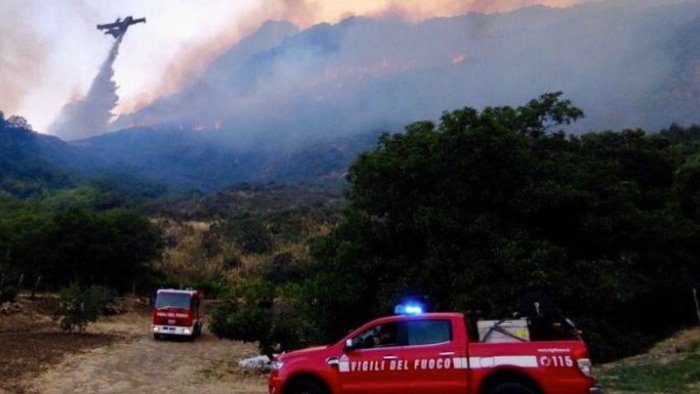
(409,309)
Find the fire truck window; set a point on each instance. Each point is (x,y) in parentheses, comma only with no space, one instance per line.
(428,332)
(383,335)
(173,300)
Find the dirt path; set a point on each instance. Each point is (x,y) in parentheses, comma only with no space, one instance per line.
(139,364)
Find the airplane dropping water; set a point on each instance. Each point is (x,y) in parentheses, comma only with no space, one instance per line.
(118,28)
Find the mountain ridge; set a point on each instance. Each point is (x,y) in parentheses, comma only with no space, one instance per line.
(286,104)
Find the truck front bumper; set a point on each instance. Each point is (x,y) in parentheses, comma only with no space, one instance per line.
(274,384)
(596,390)
(172,330)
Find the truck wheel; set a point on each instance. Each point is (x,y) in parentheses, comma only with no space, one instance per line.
(157,337)
(511,388)
(305,386)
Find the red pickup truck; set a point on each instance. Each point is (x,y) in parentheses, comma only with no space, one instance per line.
(433,353)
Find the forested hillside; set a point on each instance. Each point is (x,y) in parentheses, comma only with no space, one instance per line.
(24,168)
(485,206)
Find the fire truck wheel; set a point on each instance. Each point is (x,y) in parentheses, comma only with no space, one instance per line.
(511,388)
(157,337)
(305,386)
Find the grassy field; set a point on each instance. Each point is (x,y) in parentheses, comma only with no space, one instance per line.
(671,367)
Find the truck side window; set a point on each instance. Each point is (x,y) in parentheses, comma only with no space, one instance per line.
(428,332)
(380,336)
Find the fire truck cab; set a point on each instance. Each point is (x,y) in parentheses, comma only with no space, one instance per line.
(177,313)
(430,353)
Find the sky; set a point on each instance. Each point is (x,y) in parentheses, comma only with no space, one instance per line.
(50,51)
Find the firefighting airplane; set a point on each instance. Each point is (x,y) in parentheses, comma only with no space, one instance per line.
(118,28)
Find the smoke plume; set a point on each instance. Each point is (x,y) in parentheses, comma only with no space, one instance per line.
(194,57)
(91,115)
(21,57)
(372,74)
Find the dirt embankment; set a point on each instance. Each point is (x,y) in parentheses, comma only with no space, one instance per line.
(117,355)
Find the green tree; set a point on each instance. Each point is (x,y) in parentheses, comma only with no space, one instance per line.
(113,249)
(485,206)
(246,313)
(78,306)
(249,233)
(687,187)
(255,311)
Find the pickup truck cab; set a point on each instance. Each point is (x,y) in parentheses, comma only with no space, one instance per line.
(433,353)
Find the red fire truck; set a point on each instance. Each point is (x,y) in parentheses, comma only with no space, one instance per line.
(177,312)
(434,353)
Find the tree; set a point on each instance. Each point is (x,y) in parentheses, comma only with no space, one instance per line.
(113,249)
(485,206)
(687,187)
(255,311)
(245,313)
(78,306)
(18,122)
(249,234)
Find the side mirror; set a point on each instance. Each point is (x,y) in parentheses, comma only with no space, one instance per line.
(349,345)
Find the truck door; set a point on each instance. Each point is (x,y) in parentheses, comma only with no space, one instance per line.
(437,360)
(375,363)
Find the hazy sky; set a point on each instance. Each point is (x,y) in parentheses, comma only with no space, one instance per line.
(50,50)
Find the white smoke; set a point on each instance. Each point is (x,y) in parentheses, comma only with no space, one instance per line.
(91,115)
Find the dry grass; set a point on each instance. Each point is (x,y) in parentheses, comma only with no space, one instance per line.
(671,366)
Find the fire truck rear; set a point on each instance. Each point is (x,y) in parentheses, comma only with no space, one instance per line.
(177,313)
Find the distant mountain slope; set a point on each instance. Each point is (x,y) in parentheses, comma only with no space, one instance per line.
(202,93)
(194,160)
(627,63)
(38,165)
(28,161)
(291,105)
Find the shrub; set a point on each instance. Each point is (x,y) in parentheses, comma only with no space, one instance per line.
(245,313)
(78,307)
(250,234)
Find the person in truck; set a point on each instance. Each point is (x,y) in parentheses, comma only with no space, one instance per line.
(433,353)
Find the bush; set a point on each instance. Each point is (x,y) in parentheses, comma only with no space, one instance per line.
(250,234)
(212,288)
(245,314)
(276,318)
(78,307)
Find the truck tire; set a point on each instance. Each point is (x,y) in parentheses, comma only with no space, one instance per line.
(305,386)
(511,388)
(157,337)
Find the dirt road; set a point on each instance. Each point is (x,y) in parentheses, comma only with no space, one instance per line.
(142,365)
(122,357)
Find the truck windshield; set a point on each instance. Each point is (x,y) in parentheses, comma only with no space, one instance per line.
(172,300)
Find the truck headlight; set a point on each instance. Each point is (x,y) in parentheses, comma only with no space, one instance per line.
(186,330)
(155,328)
(276,365)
